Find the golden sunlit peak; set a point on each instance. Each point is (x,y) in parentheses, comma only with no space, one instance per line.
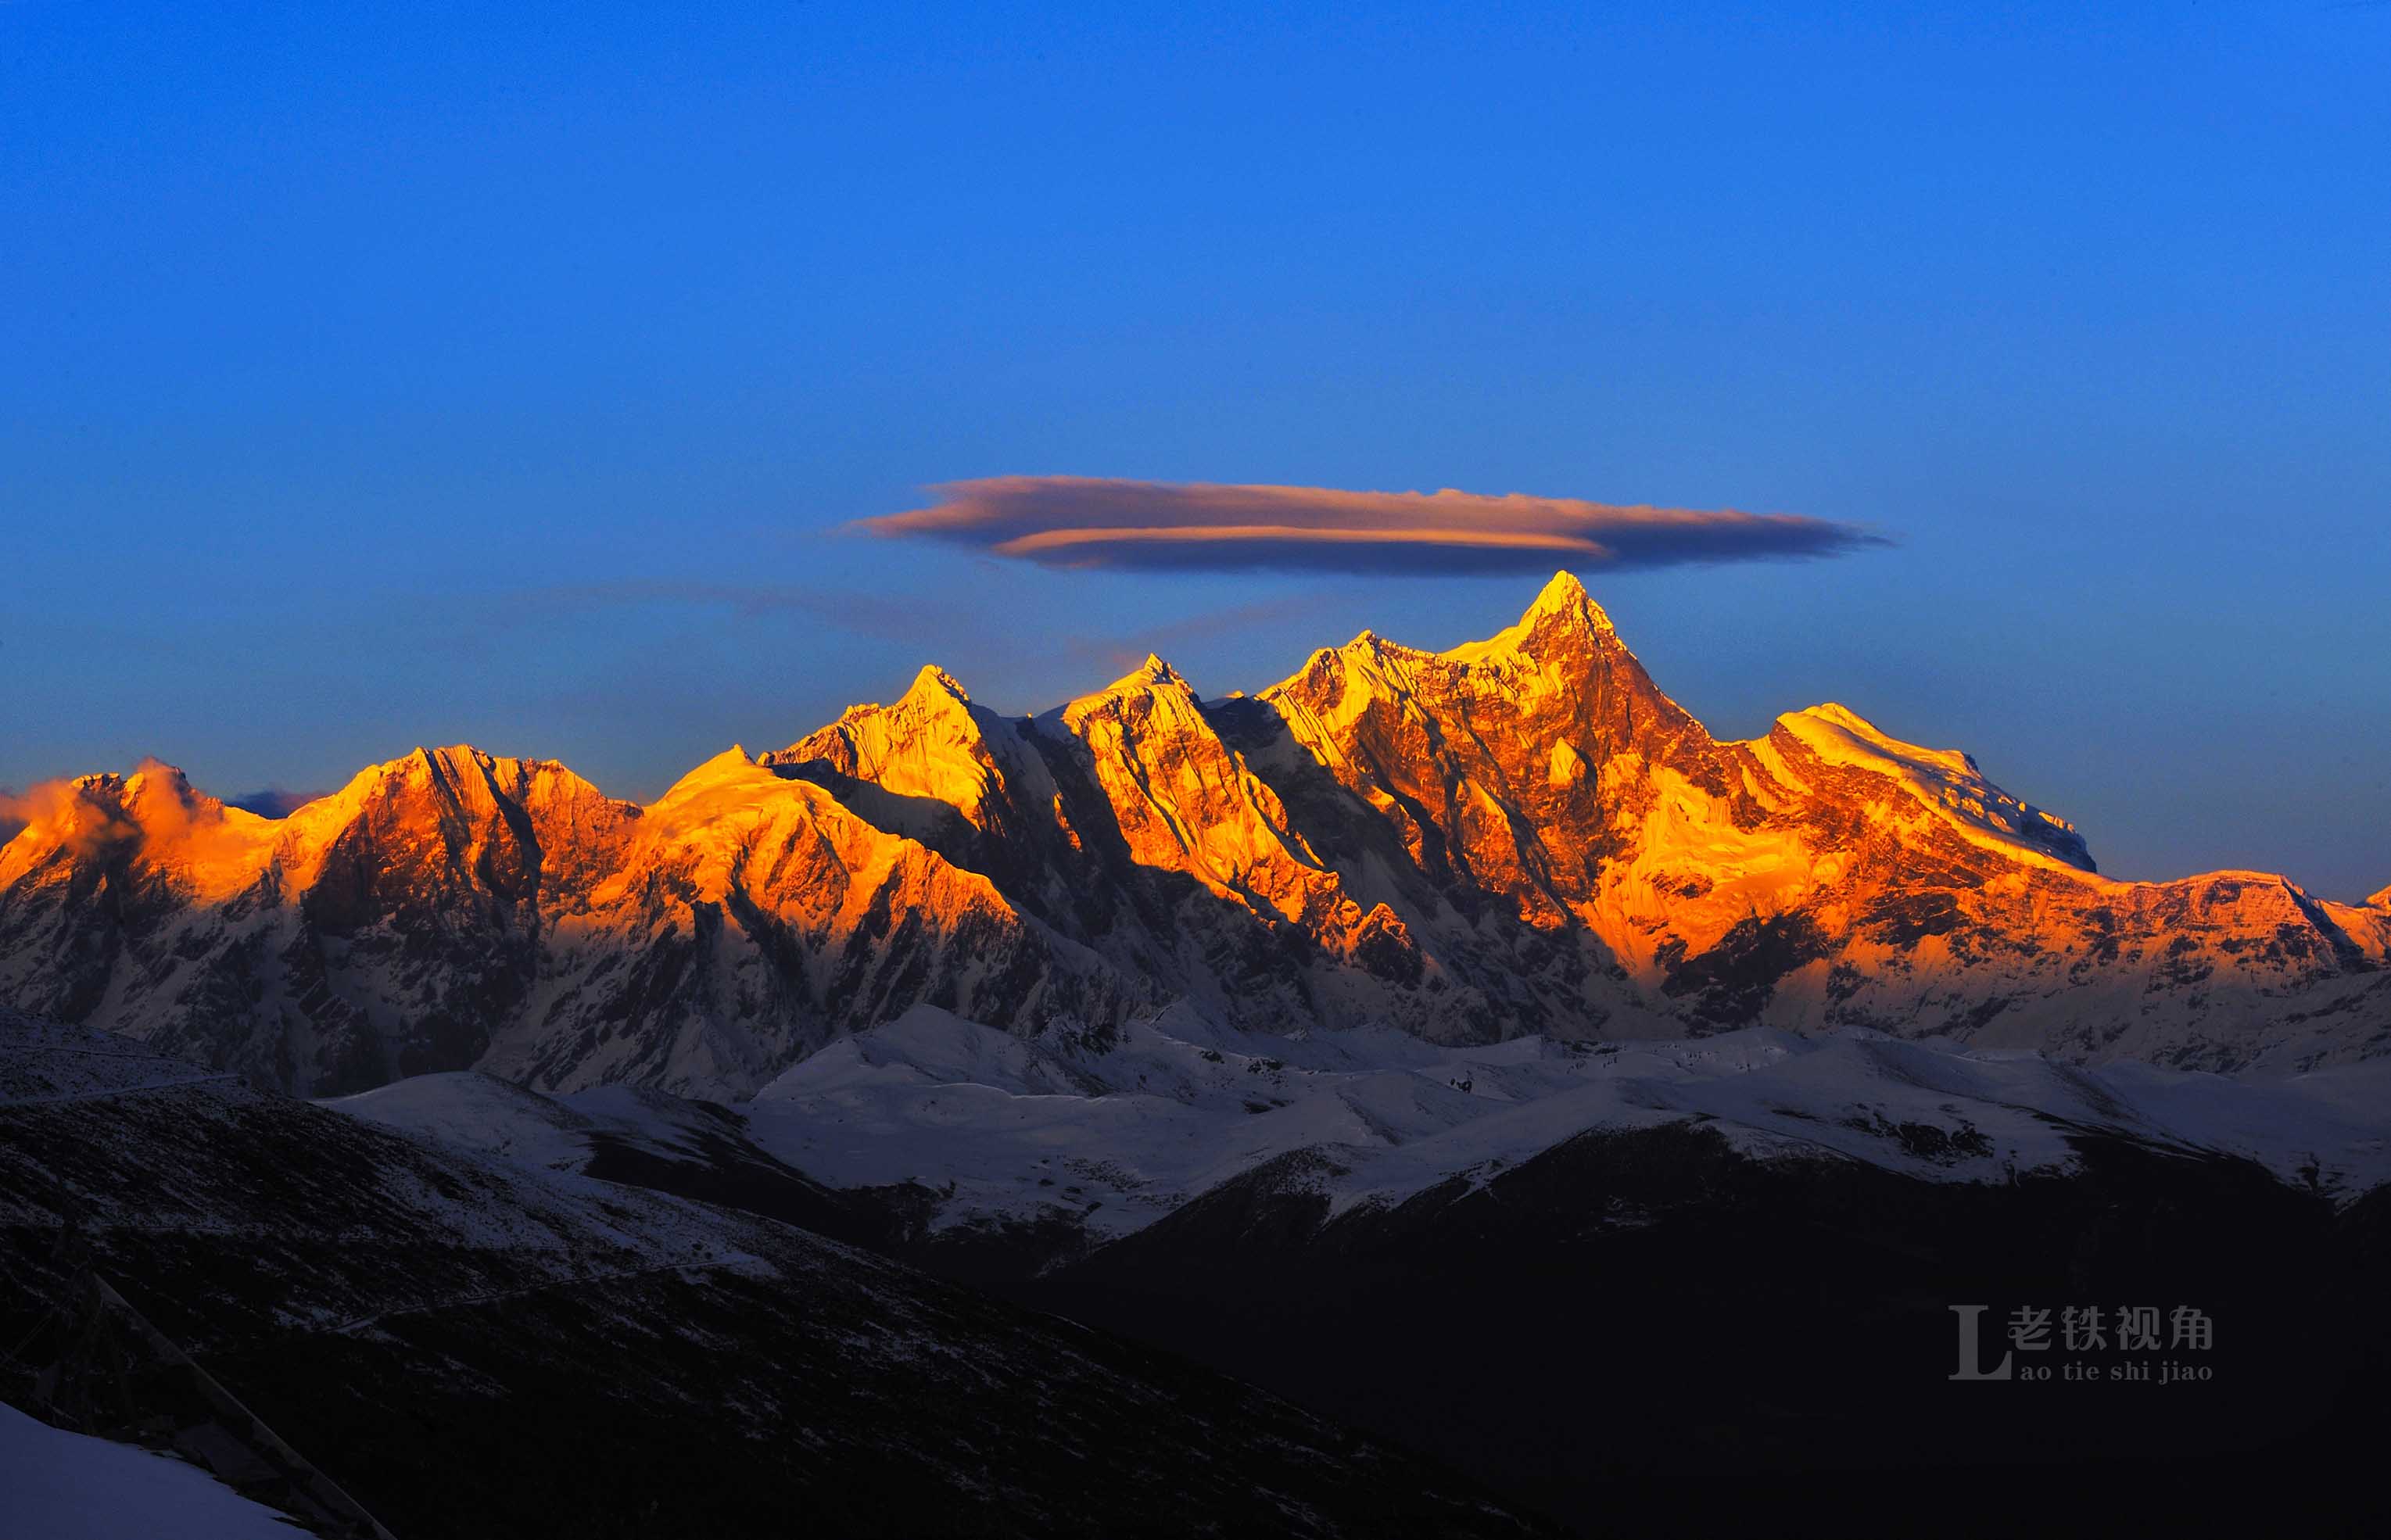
(733,764)
(1860,729)
(1366,642)
(1562,588)
(451,759)
(1840,715)
(1151,678)
(1566,596)
(1563,600)
(938,680)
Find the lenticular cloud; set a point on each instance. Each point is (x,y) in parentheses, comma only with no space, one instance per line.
(1143,525)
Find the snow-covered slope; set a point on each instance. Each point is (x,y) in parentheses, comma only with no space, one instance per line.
(1946,782)
(56,1485)
(1089,1138)
(1117,1136)
(1518,836)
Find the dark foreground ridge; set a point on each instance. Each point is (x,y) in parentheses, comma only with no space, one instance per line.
(1644,1332)
(1642,1328)
(471,1348)
(1637,1330)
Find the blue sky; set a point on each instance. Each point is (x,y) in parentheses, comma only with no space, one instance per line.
(383,375)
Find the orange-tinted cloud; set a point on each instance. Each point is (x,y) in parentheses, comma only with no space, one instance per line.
(49,803)
(1143,525)
(155,806)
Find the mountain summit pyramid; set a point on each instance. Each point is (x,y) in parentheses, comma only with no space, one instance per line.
(1522,835)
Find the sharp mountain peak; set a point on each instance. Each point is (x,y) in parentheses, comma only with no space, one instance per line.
(934,684)
(1565,595)
(1520,834)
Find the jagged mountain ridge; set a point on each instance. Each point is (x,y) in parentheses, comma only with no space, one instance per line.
(1522,835)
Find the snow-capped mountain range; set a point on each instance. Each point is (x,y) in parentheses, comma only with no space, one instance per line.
(1069,1141)
(1519,837)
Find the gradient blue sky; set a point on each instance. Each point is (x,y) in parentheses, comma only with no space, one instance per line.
(374,375)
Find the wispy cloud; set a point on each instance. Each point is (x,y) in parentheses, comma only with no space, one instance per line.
(1159,527)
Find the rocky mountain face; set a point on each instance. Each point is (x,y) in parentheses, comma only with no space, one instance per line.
(1522,835)
(1824,876)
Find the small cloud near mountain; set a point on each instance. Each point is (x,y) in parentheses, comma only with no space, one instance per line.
(42,803)
(85,819)
(1161,526)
